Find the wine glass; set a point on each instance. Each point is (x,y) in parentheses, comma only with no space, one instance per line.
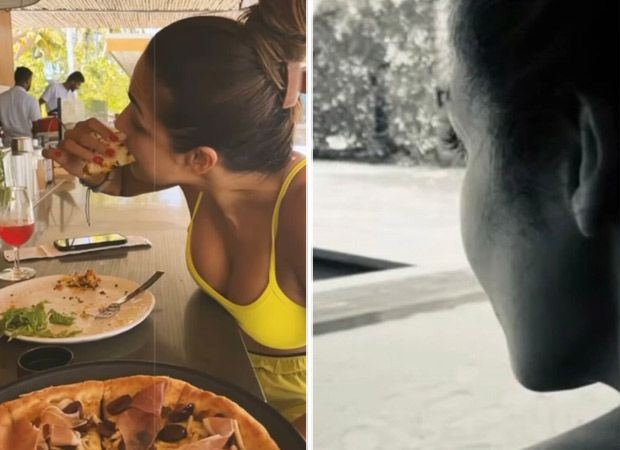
(16,227)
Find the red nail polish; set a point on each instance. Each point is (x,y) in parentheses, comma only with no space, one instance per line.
(110,152)
(57,153)
(113,138)
(98,160)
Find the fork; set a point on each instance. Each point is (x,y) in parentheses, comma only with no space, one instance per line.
(105,312)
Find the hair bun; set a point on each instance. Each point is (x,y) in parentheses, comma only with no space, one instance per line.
(278,31)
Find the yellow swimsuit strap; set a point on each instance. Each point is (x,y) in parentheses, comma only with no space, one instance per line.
(275,218)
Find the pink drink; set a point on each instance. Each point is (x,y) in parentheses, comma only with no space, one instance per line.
(16,235)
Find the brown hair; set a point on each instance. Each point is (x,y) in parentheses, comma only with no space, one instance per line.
(221,83)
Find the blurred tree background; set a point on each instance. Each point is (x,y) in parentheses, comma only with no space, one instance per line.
(378,87)
(44,51)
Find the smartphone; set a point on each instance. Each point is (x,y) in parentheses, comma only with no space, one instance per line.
(94,241)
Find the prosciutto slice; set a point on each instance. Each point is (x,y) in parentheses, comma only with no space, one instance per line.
(138,428)
(54,416)
(61,435)
(219,425)
(141,422)
(150,399)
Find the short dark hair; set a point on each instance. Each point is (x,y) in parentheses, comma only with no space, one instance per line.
(531,58)
(76,76)
(226,90)
(22,75)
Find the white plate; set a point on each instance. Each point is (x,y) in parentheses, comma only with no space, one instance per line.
(76,300)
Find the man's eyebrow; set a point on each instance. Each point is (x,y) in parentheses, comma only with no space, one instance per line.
(133,100)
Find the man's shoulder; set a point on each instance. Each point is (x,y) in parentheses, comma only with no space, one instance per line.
(51,86)
(6,95)
(33,100)
(23,93)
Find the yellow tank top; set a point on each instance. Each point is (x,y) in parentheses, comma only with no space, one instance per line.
(273,319)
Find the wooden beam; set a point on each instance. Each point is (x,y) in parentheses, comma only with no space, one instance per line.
(6,49)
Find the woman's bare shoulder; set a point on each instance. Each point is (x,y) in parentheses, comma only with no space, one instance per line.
(292,225)
(293,210)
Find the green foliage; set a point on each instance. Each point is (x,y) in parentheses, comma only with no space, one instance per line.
(393,40)
(46,48)
(105,79)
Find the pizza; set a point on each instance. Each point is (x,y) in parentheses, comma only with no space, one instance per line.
(115,155)
(140,412)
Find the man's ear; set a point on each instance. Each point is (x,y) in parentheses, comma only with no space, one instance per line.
(595,198)
(201,159)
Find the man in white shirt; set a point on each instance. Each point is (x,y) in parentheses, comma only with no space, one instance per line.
(18,109)
(56,91)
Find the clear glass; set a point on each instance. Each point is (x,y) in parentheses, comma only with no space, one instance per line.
(16,227)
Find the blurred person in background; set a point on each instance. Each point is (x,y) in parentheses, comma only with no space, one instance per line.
(18,109)
(60,91)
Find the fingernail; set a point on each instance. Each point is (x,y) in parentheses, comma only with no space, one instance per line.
(113,138)
(98,160)
(57,153)
(110,152)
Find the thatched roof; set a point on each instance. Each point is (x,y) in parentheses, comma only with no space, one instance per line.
(119,13)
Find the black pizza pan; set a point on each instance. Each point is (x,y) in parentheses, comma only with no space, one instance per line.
(280,430)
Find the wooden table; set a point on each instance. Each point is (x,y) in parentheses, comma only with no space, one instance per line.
(186,328)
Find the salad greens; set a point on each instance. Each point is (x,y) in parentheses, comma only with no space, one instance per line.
(34,321)
(60,319)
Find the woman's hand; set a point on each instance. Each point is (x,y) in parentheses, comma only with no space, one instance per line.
(80,147)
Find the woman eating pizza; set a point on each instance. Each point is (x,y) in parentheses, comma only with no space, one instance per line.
(213,105)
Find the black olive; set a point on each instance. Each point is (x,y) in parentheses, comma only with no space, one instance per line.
(182,413)
(172,433)
(73,407)
(119,405)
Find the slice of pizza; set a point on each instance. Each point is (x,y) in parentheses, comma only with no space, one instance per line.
(25,412)
(211,422)
(116,154)
(6,427)
(60,416)
(133,408)
(78,404)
